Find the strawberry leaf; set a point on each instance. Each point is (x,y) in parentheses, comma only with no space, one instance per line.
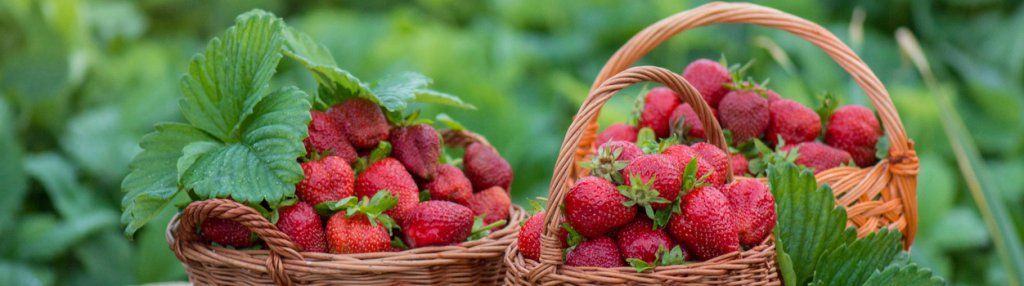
(398,243)
(432,96)
(825,109)
(639,264)
(671,257)
(395,91)
(449,122)
(574,238)
(855,262)
(480,230)
(382,151)
(334,84)
(904,274)
(14,179)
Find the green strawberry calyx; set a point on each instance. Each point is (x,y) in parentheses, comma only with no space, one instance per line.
(606,164)
(641,193)
(663,257)
(372,208)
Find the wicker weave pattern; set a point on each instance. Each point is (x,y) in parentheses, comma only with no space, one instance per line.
(477,262)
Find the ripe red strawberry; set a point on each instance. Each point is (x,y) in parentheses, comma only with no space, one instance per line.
(617,131)
(611,158)
(594,207)
(819,157)
(362,120)
(792,121)
(450,185)
(437,223)
(486,168)
(753,210)
(745,113)
(705,228)
(771,95)
(740,165)
(598,252)
(658,107)
(854,129)
(418,147)
(716,158)
(492,203)
(663,170)
(325,136)
(529,237)
(709,78)
(329,179)
(690,120)
(629,150)
(640,240)
(301,223)
(388,174)
(356,234)
(683,154)
(227,232)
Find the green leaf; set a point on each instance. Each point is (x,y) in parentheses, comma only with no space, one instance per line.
(449,122)
(785,262)
(13,179)
(335,84)
(229,78)
(647,141)
(153,179)
(480,230)
(852,264)
(639,265)
(107,258)
(574,238)
(904,274)
(394,92)
(43,238)
(262,166)
(154,260)
(397,242)
(15,273)
(60,181)
(437,97)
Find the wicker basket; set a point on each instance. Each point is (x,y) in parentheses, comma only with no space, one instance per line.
(477,262)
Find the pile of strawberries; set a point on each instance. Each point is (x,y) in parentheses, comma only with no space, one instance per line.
(374,186)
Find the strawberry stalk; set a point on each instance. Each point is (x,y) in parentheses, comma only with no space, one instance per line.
(480,230)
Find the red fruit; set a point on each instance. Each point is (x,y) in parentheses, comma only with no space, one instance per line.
(491,203)
(854,129)
(346,235)
(640,240)
(716,158)
(753,210)
(658,107)
(617,131)
(740,165)
(362,120)
(486,168)
(437,223)
(745,113)
(418,147)
(594,207)
(611,158)
(450,185)
(664,170)
(388,174)
(629,150)
(325,136)
(771,95)
(301,223)
(683,154)
(705,227)
(690,120)
(598,252)
(529,237)
(819,157)
(709,78)
(329,179)
(226,232)
(792,121)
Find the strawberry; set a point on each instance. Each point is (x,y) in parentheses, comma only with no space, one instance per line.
(753,210)
(819,157)
(854,129)
(629,149)
(771,95)
(611,158)
(437,223)
(529,237)
(745,113)
(709,78)
(705,227)
(362,120)
(450,185)
(690,121)
(227,232)
(658,107)
(617,131)
(793,122)
(492,203)
(598,252)
(661,172)
(740,165)
(329,179)
(594,207)
(486,168)
(639,239)
(301,223)
(356,234)
(326,137)
(682,155)
(418,147)
(389,175)
(716,158)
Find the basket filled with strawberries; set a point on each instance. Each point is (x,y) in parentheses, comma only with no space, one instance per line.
(681,193)
(348,185)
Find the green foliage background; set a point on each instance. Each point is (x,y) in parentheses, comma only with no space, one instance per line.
(82,80)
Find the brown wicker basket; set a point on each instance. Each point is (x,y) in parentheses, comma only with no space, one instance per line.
(477,262)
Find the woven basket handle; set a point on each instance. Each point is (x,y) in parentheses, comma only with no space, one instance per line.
(280,245)
(550,253)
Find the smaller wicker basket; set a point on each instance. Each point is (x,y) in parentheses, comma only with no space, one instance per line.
(477,262)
